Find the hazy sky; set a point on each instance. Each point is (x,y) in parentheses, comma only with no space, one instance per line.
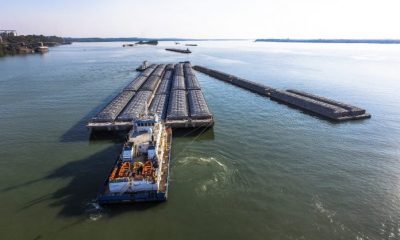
(204,18)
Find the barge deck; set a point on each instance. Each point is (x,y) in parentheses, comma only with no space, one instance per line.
(170,90)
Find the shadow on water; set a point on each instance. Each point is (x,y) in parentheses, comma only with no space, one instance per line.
(79,132)
(24,184)
(201,133)
(115,136)
(87,176)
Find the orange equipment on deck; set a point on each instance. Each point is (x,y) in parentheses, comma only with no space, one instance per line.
(113,173)
(147,169)
(124,170)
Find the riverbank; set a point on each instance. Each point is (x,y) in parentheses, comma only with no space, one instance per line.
(25,44)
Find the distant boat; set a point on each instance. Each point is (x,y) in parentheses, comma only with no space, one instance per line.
(176,43)
(151,42)
(42,48)
(24,50)
(128,45)
(191,45)
(142,67)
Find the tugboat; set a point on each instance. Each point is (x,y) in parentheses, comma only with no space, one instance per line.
(141,171)
(42,48)
(142,67)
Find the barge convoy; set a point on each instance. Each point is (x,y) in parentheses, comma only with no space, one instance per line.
(141,171)
(160,98)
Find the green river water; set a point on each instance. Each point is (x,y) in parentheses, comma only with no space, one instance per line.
(265,171)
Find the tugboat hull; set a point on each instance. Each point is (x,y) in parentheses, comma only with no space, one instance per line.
(146,196)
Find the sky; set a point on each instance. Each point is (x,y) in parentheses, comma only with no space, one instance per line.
(244,19)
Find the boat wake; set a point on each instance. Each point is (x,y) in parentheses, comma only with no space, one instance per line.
(94,211)
(202,161)
(322,210)
(216,173)
(211,174)
(329,215)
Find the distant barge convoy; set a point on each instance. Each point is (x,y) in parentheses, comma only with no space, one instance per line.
(171,91)
(151,42)
(186,51)
(321,106)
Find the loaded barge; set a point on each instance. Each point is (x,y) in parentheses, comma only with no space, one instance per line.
(141,171)
(324,107)
(171,91)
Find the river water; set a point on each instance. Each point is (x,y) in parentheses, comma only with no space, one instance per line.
(265,171)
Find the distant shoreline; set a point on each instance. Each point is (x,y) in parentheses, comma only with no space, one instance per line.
(134,39)
(137,39)
(371,41)
(11,44)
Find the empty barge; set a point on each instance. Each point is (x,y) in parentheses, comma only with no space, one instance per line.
(172,91)
(324,107)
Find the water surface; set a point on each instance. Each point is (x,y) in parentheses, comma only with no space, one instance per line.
(266,171)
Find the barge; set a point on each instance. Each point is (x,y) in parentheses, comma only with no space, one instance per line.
(321,106)
(186,51)
(140,173)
